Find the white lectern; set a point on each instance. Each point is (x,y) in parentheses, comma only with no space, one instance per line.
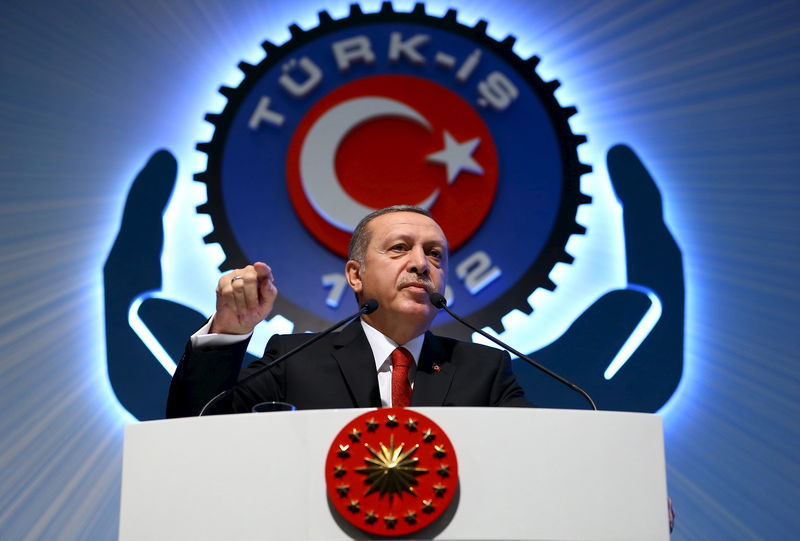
(525,474)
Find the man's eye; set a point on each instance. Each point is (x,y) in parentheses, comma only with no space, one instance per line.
(398,247)
(435,253)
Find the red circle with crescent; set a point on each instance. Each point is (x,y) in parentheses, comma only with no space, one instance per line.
(386,140)
(391,472)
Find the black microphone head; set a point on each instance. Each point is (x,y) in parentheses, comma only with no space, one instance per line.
(438,300)
(370,306)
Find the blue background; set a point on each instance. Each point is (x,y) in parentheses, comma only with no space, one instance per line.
(705,92)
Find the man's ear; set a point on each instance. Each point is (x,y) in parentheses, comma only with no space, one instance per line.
(352,271)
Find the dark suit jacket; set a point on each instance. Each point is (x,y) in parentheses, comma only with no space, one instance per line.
(339,372)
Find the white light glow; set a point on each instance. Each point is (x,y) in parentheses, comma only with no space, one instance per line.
(144,334)
(642,330)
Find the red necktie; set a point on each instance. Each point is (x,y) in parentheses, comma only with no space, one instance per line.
(401,388)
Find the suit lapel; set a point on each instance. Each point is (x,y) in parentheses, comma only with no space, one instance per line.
(435,372)
(356,361)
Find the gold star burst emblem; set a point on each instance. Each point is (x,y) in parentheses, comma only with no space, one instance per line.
(391,471)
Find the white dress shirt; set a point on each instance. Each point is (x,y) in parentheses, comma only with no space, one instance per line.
(382,348)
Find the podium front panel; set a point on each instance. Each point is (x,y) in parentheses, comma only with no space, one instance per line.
(525,474)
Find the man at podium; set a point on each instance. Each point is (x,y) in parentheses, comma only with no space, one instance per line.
(388,357)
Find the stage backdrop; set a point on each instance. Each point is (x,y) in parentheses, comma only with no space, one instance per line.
(633,227)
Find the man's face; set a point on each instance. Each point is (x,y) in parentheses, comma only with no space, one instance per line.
(405,261)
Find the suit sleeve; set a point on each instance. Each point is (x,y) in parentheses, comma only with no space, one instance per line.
(203,373)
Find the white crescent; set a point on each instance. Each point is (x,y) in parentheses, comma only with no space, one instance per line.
(318,157)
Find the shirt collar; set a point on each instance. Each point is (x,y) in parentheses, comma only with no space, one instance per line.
(382,346)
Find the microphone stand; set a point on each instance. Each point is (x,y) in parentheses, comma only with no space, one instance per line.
(439,301)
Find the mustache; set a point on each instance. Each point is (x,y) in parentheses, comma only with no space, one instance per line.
(423,281)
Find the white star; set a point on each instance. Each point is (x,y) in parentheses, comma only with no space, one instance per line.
(457,156)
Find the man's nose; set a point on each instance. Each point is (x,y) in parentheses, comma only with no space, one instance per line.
(418,261)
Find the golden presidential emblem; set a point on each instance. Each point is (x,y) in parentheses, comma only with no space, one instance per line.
(391,471)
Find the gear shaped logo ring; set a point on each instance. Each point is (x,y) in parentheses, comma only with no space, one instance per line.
(502,175)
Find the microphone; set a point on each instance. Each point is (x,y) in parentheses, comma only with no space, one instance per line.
(439,301)
(367,308)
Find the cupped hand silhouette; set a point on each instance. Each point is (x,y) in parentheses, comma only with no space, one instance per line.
(626,350)
(131,274)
